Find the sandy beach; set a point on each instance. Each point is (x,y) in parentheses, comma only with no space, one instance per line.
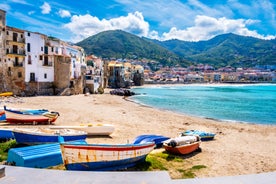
(238,148)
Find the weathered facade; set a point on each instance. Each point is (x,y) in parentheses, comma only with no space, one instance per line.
(13,67)
(2,49)
(35,64)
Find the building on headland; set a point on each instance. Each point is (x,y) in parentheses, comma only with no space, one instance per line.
(32,63)
(94,74)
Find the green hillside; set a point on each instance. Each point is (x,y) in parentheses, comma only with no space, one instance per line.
(120,44)
(227,49)
(223,50)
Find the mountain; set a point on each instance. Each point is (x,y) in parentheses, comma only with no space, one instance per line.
(222,50)
(120,44)
(226,49)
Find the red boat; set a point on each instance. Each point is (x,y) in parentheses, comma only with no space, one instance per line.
(17,116)
(182,145)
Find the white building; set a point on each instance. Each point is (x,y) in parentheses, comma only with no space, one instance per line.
(39,64)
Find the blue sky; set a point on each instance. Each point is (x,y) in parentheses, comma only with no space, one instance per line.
(189,20)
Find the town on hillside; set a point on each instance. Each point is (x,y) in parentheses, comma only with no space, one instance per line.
(32,63)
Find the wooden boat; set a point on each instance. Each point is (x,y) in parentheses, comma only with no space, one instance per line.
(103,157)
(37,156)
(46,135)
(6,94)
(30,116)
(2,115)
(91,129)
(182,145)
(6,133)
(204,136)
(157,139)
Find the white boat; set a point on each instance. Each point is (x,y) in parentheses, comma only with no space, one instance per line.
(91,129)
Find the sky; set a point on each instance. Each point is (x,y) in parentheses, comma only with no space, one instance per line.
(187,20)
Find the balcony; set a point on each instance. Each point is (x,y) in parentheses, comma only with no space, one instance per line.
(49,63)
(17,41)
(17,64)
(16,52)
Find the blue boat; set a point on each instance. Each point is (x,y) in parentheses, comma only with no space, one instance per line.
(37,156)
(204,136)
(6,134)
(46,135)
(2,115)
(157,139)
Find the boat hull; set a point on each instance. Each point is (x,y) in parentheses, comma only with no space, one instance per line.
(97,129)
(6,133)
(17,118)
(204,136)
(182,149)
(23,137)
(103,157)
(157,139)
(6,94)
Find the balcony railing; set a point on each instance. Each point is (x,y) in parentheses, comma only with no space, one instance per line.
(18,40)
(17,52)
(17,64)
(49,63)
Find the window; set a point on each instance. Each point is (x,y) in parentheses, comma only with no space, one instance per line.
(19,74)
(45,75)
(29,34)
(40,57)
(46,50)
(16,61)
(41,48)
(9,71)
(14,37)
(46,62)
(32,77)
(28,47)
(29,59)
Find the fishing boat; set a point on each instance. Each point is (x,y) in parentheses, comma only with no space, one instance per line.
(4,94)
(104,157)
(30,116)
(6,133)
(182,145)
(46,135)
(204,136)
(157,139)
(2,115)
(91,129)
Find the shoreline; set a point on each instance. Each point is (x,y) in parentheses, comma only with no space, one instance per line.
(270,121)
(238,148)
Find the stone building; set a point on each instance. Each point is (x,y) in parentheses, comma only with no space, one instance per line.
(35,64)
(14,59)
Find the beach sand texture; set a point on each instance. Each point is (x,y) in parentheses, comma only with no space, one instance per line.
(237,149)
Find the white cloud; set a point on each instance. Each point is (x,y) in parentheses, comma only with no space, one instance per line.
(207,27)
(64,13)
(5,7)
(83,26)
(31,12)
(20,2)
(45,8)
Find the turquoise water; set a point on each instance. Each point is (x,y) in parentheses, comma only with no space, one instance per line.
(238,103)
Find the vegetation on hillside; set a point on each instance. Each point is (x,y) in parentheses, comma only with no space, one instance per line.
(122,45)
(223,50)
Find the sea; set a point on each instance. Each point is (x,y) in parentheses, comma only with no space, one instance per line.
(249,103)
